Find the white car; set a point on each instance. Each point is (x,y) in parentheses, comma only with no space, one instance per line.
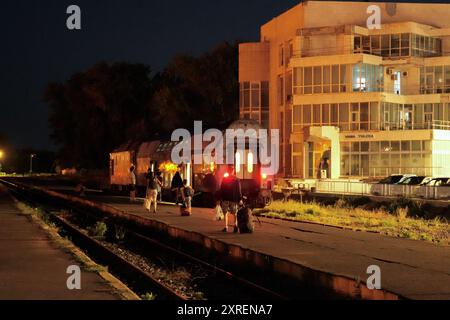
(384,187)
(435,188)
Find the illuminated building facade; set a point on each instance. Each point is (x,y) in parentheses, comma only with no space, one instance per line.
(354,101)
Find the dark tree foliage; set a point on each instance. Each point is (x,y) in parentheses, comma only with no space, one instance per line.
(96,111)
(204,88)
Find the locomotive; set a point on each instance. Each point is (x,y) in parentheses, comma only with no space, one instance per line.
(205,178)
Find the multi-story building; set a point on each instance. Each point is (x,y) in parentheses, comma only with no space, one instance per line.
(355,101)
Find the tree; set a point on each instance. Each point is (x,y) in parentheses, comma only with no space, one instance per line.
(204,88)
(106,106)
(97,110)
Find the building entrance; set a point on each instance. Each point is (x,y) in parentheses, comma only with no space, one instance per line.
(318,159)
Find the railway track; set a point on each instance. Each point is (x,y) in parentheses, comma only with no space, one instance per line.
(218,283)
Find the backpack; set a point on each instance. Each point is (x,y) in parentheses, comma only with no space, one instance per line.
(245,220)
(188,192)
(153,184)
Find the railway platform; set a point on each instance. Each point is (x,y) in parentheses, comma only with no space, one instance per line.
(335,258)
(32,267)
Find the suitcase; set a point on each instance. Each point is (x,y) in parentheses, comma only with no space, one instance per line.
(245,220)
(185,212)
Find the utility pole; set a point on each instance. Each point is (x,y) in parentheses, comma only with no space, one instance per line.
(31,162)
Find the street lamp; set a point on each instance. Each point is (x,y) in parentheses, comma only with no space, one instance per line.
(31,162)
(1,157)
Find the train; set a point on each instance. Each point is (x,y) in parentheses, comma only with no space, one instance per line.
(205,178)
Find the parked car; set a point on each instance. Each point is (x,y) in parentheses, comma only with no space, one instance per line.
(437,182)
(435,188)
(414,181)
(384,186)
(396,178)
(407,187)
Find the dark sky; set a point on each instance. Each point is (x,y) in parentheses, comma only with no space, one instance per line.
(36,47)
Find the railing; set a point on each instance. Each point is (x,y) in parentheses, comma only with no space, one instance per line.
(358,188)
(379,172)
(377,126)
(405,125)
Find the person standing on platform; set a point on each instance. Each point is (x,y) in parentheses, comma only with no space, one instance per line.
(177,184)
(132,183)
(152,192)
(230,195)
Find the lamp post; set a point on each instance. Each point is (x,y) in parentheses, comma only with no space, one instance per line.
(1,157)
(31,162)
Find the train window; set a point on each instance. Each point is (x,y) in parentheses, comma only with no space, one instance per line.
(238,162)
(250,162)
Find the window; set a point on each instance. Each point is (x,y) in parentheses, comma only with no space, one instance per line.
(320,79)
(298,80)
(246,95)
(326,114)
(265,95)
(335,78)
(307,115)
(253,99)
(395,45)
(317,79)
(316,112)
(368,78)
(308,80)
(327,79)
(405,45)
(398,45)
(376,45)
(344,116)
(255,95)
(435,79)
(334,114)
(281,56)
(280,90)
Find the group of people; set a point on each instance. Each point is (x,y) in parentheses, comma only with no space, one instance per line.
(228,197)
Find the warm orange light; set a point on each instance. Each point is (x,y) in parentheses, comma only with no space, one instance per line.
(226,175)
(1,154)
(264,176)
(212,166)
(168,167)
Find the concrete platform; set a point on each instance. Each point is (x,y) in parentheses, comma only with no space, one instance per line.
(33,268)
(334,257)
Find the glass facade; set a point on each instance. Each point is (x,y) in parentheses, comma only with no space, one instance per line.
(398,45)
(435,79)
(382,158)
(364,116)
(347,116)
(254,101)
(338,79)
(415,116)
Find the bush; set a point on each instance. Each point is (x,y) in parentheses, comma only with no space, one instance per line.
(148,296)
(415,209)
(358,201)
(98,230)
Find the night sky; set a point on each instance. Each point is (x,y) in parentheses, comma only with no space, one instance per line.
(37,48)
